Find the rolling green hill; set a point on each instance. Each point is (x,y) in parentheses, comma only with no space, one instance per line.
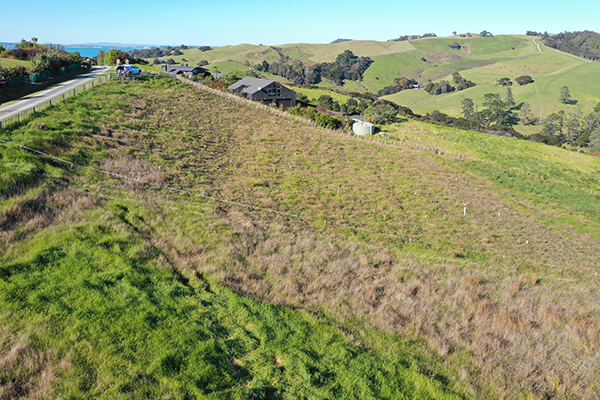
(482,60)
(251,255)
(550,70)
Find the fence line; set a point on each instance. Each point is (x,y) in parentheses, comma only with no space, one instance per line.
(297,215)
(241,100)
(372,138)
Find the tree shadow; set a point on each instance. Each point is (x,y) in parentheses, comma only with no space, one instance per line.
(518,106)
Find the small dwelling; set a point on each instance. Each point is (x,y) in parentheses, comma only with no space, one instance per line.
(184,70)
(266,91)
(362,128)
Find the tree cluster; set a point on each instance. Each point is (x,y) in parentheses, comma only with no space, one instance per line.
(27,50)
(574,128)
(521,80)
(585,44)
(445,86)
(381,112)
(25,44)
(46,57)
(524,80)
(460,82)
(495,111)
(351,106)
(504,82)
(439,88)
(565,96)
(412,37)
(534,33)
(347,66)
(341,41)
(157,52)
(111,56)
(400,84)
(323,119)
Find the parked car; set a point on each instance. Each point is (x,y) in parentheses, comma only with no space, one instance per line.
(128,69)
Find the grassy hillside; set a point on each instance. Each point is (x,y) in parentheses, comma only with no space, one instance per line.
(301,51)
(481,60)
(101,294)
(550,70)
(416,299)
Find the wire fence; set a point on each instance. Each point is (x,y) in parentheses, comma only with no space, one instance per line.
(378,140)
(403,237)
(284,114)
(382,140)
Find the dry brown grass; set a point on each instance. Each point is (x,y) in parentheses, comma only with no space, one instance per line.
(25,372)
(514,348)
(31,213)
(489,310)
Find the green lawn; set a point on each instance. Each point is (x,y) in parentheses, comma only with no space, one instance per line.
(9,62)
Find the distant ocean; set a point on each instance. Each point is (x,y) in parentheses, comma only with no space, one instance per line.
(93,51)
(90,51)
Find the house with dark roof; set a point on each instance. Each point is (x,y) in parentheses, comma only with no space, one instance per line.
(265,91)
(183,69)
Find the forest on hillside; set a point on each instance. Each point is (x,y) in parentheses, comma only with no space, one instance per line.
(346,66)
(585,44)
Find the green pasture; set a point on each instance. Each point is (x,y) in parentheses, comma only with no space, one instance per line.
(550,70)
(387,67)
(362,48)
(235,53)
(99,304)
(475,45)
(225,67)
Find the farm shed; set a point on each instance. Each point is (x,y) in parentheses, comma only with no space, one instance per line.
(264,90)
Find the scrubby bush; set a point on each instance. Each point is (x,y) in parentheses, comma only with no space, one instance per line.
(381,112)
(23,54)
(439,88)
(524,80)
(48,61)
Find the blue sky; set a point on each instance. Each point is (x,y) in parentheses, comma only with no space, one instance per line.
(230,22)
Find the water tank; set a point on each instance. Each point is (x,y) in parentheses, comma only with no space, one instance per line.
(362,128)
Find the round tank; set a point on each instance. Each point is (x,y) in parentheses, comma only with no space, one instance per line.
(362,128)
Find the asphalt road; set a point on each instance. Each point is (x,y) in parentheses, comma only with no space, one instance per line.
(38,98)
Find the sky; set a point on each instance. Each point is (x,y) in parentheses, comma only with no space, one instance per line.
(232,22)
